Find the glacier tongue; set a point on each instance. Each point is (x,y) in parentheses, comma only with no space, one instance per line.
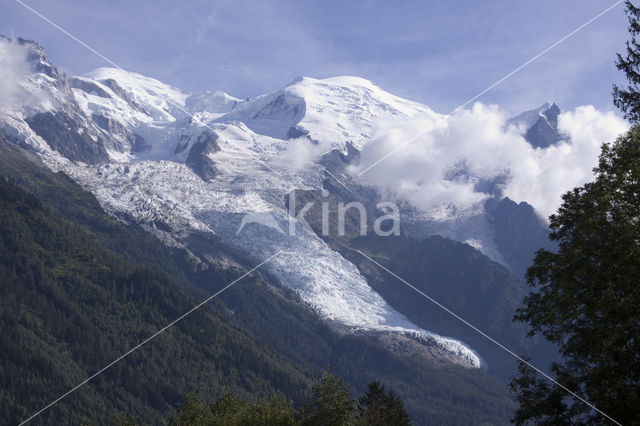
(326,281)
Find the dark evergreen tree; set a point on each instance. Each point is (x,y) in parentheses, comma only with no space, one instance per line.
(379,408)
(627,99)
(372,404)
(395,412)
(193,412)
(586,298)
(231,410)
(586,294)
(124,419)
(330,403)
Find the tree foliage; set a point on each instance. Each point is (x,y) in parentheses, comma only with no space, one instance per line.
(329,403)
(587,296)
(627,99)
(379,408)
(587,293)
(231,410)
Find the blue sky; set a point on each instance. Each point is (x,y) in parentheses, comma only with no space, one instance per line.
(440,53)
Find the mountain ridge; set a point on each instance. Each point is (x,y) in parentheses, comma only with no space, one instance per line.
(203,173)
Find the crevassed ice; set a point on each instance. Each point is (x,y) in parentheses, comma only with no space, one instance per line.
(155,185)
(326,281)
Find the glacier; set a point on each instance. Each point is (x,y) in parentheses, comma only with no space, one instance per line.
(248,140)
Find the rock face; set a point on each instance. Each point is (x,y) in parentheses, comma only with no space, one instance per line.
(199,159)
(540,125)
(119,91)
(69,137)
(37,57)
(115,128)
(544,131)
(519,233)
(88,87)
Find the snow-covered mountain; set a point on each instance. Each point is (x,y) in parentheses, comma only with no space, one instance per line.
(539,126)
(180,164)
(336,110)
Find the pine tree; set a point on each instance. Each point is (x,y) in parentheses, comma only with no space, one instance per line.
(192,412)
(124,419)
(586,298)
(395,413)
(330,403)
(628,99)
(372,405)
(586,295)
(269,411)
(378,408)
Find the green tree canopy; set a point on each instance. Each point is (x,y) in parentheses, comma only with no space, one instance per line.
(627,99)
(587,296)
(379,408)
(231,410)
(330,403)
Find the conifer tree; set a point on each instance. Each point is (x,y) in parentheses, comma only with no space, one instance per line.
(379,408)
(627,99)
(330,403)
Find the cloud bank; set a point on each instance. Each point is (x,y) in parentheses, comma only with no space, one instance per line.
(13,68)
(300,152)
(455,159)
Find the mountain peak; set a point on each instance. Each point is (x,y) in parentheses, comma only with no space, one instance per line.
(158,99)
(539,126)
(343,80)
(36,55)
(216,102)
(342,110)
(545,106)
(130,80)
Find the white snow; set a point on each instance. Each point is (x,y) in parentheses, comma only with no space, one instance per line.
(156,185)
(163,102)
(334,111)
(216,103)
(527,119)
(326,281)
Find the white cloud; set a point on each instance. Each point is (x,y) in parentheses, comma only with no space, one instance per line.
(543,176)
(443,166)
(300,152)
(13,68)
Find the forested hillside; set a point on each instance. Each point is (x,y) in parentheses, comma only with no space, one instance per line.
(70,307)
(80,288)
